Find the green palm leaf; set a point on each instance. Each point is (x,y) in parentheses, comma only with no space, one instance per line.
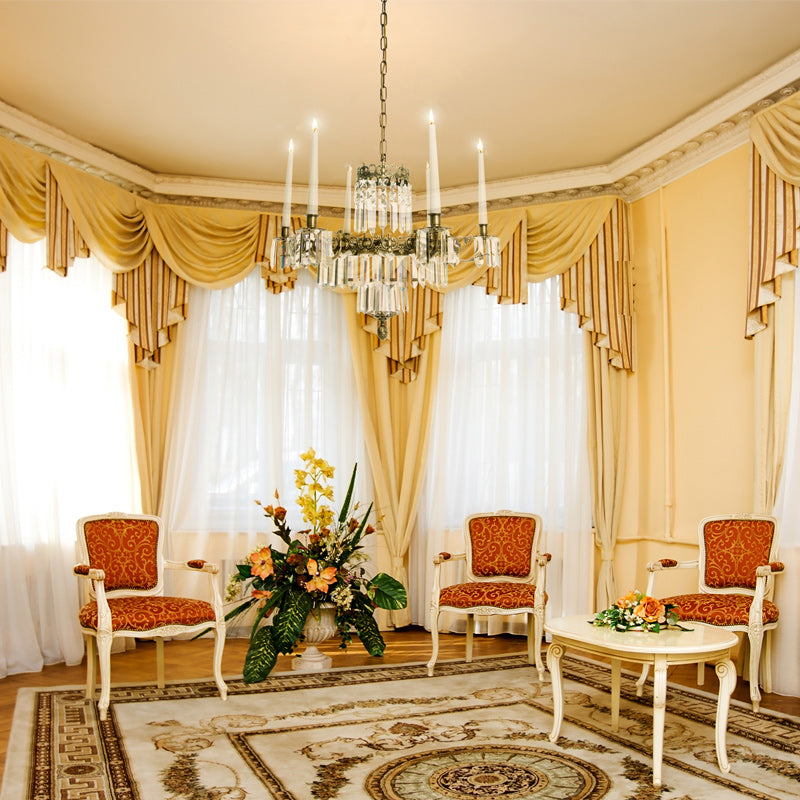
(345,510)
(288,623)
(261,656)
(369,634)
(387,592)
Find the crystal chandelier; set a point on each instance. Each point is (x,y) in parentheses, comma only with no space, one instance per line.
(382,256)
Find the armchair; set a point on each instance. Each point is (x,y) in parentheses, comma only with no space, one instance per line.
(123,570)
(737,563)
(505,575)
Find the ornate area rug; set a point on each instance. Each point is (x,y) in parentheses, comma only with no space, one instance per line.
(473,731)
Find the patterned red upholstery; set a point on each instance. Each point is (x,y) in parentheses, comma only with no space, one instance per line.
(125,549)
(147,613)
(489,593)
(734,548)
(501,545)
(720,609)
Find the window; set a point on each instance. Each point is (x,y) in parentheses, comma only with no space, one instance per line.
(67,432)
(263,377)
(509,431)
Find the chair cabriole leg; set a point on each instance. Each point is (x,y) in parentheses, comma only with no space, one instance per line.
(104,653)
(160,681)
(756,638)
(219,644)
(91,666)
(470,631)
(434,639)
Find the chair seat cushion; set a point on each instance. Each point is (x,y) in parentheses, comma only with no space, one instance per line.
(720,609)
(497,594)
(148,613)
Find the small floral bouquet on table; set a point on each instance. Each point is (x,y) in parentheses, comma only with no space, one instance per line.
(323,564)
(637,611)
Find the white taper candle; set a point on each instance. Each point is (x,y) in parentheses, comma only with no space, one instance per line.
(435,205)
(313,179)
(428,187)
(286,222)
(482,217)
(347,200)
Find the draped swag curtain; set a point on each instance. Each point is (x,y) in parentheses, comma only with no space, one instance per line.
(775,203)
(156,248)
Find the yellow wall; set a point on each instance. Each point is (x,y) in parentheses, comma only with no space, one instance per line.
(700,385)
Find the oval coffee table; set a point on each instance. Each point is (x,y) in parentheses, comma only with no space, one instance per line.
(662,650)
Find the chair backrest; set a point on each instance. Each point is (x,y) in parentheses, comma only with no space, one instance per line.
(501,545)
(129,548)
(732,547)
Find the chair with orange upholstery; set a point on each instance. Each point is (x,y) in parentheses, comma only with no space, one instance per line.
(505,574)
(738,558)
(123,568)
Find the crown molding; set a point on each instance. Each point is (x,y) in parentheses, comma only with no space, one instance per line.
(699,138)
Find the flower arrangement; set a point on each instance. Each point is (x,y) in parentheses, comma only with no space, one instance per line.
(637,611)
(323,564)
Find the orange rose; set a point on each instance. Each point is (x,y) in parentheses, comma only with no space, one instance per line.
(651,610)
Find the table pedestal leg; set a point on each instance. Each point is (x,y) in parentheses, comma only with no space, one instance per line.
(726,672)
(659,707)
(554,653)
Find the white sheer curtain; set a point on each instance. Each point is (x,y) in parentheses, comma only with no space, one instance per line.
(509,432)
(261,378)
(66,431)
(786,639)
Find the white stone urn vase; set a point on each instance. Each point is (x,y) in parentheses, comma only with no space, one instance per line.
(320,626)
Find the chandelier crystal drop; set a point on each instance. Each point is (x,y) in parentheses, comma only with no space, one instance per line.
(382,256)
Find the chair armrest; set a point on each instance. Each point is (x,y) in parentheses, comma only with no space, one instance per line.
(438,560)
(207,567)
(764,576)
(543,559)
(85,571)
(670,563)
(195,565)
(442,557)
(664,564)
(765,570)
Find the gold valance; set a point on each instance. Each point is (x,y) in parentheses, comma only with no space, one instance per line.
(775,132)
(215,248)
(775,206)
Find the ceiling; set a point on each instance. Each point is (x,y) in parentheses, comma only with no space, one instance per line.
(216,90)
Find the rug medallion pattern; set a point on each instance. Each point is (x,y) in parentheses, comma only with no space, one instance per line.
(473,731)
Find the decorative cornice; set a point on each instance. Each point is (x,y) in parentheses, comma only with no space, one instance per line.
(716,129)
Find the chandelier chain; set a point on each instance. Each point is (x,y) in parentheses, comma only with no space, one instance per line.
(384,44)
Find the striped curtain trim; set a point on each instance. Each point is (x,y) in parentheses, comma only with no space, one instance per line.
(64,241)
(775,219)
(407,332)
(509,282)
(598,289)
(153,299)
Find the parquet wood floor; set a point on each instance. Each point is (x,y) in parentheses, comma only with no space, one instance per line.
(187,660)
